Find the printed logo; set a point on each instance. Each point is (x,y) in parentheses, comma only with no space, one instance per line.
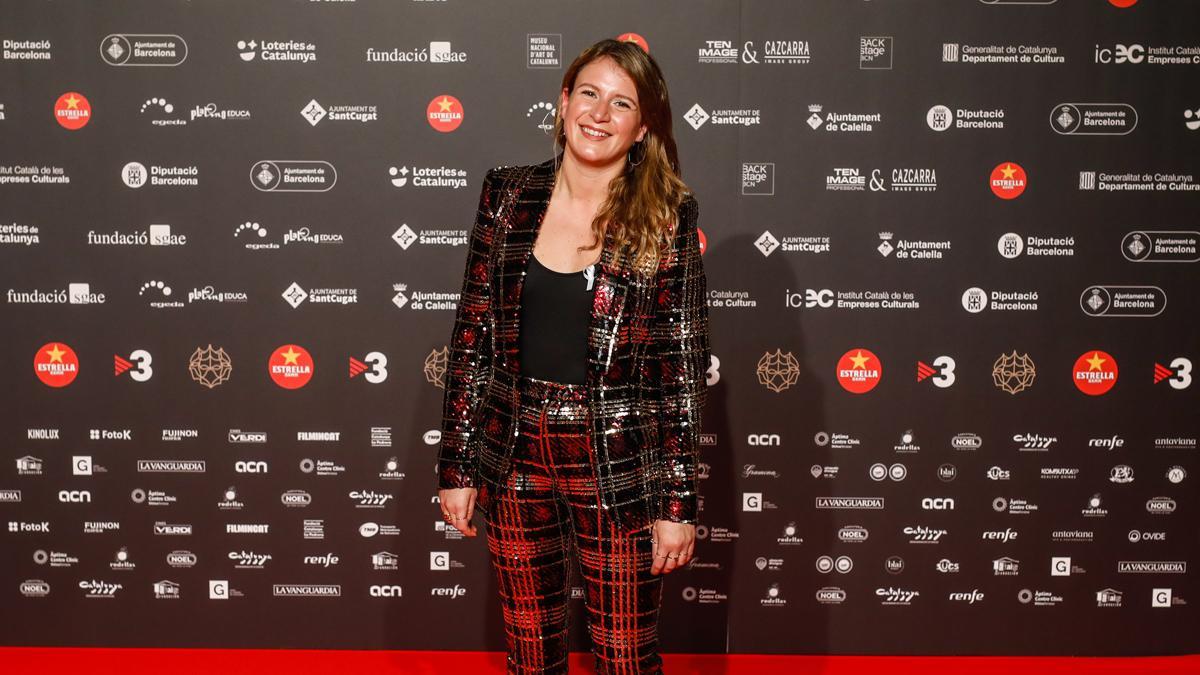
(72,111)
(1095,373)
(290,366)
(859,370)
(1008,180)
(56,364)
(444,113)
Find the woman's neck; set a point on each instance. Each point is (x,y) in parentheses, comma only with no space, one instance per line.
(584,183)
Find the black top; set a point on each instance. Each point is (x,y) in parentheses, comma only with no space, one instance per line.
(556,308)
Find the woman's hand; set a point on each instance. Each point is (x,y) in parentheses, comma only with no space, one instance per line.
(458,504)
(673,544)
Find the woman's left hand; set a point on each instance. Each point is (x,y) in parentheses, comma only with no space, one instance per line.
(673,544)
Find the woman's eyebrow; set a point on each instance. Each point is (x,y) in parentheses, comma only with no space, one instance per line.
(589,84)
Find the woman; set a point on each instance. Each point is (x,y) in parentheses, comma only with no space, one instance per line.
(576,371)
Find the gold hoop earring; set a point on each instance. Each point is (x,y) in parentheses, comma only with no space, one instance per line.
(640,159)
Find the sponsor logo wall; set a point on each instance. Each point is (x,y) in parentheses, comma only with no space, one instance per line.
(952,256)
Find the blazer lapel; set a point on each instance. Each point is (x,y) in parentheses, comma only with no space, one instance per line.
(610,286)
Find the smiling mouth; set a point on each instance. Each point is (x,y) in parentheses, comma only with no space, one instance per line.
(593,133)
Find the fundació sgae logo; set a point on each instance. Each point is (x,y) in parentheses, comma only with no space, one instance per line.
(72,111)
(1007,180)
(1095,372)
(56,364)
(444,113)
(859,370)
(634,37)
(290,366)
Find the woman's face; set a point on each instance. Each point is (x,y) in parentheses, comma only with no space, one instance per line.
(601,118)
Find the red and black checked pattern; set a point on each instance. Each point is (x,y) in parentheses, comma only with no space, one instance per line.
(648,350)
(547,515)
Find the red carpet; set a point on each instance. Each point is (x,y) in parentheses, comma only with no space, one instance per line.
(43,661)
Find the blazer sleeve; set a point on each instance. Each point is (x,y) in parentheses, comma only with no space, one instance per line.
(681,346)
(470,356)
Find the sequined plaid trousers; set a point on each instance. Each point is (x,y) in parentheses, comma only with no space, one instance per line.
(545,518)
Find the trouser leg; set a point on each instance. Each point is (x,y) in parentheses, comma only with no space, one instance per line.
(622,597)
(528,539)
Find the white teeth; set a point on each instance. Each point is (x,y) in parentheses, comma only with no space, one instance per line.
(597,134)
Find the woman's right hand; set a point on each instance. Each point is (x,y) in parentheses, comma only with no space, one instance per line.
(458,505)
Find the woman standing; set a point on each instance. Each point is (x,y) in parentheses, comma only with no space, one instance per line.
(576,371)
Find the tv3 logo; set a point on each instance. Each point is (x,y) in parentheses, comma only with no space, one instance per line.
(940,373)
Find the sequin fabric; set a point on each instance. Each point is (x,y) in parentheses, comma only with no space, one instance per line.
(545,518)
(648,350)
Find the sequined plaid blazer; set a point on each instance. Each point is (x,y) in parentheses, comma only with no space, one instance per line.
(648,350)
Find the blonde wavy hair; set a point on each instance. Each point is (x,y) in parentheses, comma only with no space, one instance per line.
(640,210)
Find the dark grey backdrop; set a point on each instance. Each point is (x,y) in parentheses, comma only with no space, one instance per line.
(749,590)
